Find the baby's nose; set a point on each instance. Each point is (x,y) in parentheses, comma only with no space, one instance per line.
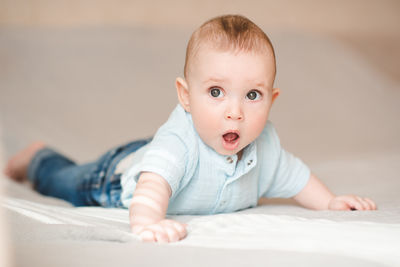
(234,113)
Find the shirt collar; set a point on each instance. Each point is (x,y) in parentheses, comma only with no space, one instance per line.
(229,163)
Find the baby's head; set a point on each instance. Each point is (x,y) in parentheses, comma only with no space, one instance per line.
(228,86)
(228,33)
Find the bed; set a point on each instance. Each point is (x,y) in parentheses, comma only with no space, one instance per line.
(84,90)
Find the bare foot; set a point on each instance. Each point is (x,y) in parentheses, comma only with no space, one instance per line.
(17,166)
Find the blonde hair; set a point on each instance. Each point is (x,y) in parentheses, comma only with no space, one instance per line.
(228,32)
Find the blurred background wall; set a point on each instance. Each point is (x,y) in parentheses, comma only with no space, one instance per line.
(69,68)
(370,26)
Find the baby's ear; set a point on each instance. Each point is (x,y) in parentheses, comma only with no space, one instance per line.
(183,93)
(275,93)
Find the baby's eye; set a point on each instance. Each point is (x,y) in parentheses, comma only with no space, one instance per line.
(216,92)
(253,95)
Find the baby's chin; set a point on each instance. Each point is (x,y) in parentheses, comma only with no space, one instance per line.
(224,152)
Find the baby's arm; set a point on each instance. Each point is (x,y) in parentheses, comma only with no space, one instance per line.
(148,209)
(315,195)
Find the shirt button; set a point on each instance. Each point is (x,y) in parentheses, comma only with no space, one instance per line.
(249,163)
(229,159)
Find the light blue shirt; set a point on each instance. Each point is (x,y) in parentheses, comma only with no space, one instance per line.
(205,182)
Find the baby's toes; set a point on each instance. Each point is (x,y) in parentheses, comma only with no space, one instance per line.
(11,171)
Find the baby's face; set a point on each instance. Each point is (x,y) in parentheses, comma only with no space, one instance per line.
(229,97)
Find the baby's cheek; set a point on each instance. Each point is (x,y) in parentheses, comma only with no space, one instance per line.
(205,123)
(257,124)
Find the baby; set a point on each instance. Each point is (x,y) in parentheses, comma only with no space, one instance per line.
(216,153)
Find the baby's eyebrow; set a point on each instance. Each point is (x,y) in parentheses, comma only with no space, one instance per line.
(260,84)
(214,79)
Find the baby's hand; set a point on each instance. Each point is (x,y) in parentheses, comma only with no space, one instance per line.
(163,232)
(351,202)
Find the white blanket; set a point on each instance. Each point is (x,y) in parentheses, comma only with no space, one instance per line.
(252,229)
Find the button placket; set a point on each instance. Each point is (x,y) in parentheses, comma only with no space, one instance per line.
(223,198)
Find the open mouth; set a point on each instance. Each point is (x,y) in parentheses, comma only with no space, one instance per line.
(231,140)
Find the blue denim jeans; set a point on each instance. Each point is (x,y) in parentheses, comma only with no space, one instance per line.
(91,184)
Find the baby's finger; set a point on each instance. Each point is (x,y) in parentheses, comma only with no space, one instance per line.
(367,203)
(159,233)
(161,237)
(147,236)
(173,235)
(364,204)
(371,203)
(174,230)
(353,203)
(181,229)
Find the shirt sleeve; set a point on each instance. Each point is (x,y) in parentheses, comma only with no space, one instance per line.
(171,154)
(166,156)
(288,175)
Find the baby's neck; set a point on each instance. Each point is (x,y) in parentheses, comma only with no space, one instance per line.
(240,154)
